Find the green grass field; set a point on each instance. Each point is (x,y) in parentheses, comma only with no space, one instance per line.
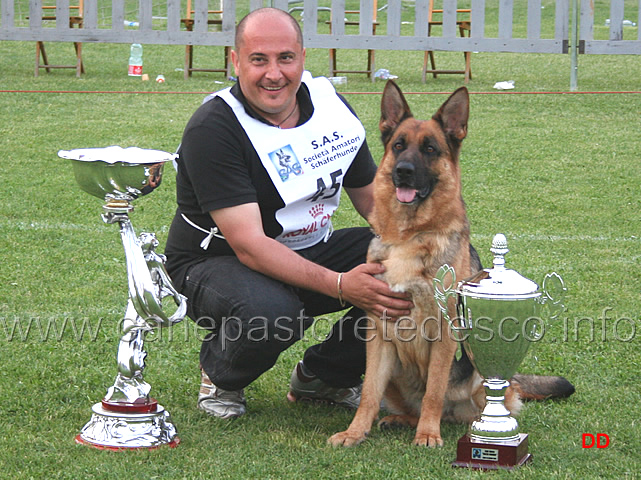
(559,174)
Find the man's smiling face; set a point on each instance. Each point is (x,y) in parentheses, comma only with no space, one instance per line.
(269,64)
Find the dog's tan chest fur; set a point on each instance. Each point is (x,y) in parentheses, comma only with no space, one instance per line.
(407,271)
(403,268)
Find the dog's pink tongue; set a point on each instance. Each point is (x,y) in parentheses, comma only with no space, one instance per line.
(405,195)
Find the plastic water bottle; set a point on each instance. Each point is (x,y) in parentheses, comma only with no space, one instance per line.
(135,60)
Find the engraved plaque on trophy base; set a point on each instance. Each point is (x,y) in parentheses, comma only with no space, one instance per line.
(481,455)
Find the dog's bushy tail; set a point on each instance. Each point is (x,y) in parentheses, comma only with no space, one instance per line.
(540,387)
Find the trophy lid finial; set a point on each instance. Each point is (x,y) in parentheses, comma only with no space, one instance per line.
(499,249)
(499,283)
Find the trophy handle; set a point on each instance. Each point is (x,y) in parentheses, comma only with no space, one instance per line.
(443,293)
(147,278)
(160,278)
(554,291)
(141,287)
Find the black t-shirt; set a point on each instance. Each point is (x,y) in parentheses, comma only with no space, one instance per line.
(218,167)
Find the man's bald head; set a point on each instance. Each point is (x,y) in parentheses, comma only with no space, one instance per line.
(260,15)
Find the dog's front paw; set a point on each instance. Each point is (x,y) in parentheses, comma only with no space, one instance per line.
(427,440)
(346,439)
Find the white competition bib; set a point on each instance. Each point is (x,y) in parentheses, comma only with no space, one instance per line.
(306,163)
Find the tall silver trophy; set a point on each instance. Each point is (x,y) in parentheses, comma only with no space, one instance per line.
(499,313)
(127,417)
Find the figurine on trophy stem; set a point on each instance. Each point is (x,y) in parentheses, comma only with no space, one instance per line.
(129,386)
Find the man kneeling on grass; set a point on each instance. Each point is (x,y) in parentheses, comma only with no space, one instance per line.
(252,245)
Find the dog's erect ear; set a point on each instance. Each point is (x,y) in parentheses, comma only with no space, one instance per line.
(394,110)
(454,113)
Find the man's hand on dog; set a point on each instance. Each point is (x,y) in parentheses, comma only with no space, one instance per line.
(362,289)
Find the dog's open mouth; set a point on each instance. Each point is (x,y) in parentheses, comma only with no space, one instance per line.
(408,195)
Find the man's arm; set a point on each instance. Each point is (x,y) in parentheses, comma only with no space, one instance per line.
(362,198)
(242,227)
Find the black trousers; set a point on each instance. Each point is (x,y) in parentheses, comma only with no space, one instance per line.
(252,318)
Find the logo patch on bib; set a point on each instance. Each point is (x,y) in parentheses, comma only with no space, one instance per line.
(286,162)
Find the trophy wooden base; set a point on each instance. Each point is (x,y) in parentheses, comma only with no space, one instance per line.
(480,455)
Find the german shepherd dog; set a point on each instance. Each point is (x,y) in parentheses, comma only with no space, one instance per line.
(420,222)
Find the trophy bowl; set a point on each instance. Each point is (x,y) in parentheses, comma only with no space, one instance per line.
(116,173)
(498,312)
(499,326)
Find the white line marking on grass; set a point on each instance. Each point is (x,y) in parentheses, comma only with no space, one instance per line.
(563,238)
(99,228)
(37,225)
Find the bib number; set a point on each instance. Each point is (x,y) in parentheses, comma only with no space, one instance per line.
(321,187)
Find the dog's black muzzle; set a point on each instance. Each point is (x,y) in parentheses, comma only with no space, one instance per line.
(413,184)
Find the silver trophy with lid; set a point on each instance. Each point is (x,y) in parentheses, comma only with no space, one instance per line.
(128,417)
(499,313)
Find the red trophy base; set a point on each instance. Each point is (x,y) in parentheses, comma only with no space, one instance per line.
(81,441)
(138,407)
(481,455)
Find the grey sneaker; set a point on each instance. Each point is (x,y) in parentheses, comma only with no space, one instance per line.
(305,386)
(218,402)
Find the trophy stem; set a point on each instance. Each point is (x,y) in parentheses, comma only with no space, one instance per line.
(495,424)
(127,417)
(493,441)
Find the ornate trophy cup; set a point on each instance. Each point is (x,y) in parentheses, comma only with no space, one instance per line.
(128,417)
(499,313)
